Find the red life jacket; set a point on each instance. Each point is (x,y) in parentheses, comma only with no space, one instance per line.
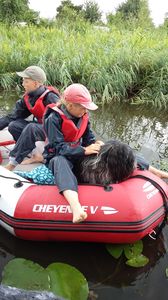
(71,132)
(38,109)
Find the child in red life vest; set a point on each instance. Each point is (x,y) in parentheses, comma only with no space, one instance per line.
(67,127)
(25,132)
(37,96)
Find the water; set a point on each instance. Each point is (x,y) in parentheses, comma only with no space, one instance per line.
(108,278)
(140,127)
(145,130)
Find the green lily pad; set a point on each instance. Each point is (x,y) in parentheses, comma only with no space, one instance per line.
(133,250)
(67,281)
(25,274)
(61,279)
(137,261)
(115,250)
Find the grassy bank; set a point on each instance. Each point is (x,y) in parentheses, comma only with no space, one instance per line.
(117,65)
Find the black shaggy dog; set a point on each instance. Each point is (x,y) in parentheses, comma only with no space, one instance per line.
(114,163)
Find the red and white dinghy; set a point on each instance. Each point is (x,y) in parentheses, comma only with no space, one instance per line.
(121,213)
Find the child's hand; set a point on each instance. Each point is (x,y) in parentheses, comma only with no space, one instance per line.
(92,149)
(101,143)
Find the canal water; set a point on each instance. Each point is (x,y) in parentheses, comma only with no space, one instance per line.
(146,130)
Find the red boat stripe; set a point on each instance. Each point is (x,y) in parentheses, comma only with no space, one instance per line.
(89,226)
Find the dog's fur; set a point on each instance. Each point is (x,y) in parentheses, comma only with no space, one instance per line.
(114,163)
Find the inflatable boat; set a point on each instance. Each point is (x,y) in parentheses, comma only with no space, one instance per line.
(119,213)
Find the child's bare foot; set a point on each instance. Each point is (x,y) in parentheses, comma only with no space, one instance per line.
(9,167)
(79,216)
(36,158)
(78,213)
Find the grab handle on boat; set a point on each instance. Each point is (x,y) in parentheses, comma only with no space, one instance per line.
(152,235)
(108,188)
(18,184)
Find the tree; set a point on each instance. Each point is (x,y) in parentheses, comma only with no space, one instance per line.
(67,10)
(129,8)
(31,16)
(132,12)
(165,23)
(91,11)
(12,11)
(144,19)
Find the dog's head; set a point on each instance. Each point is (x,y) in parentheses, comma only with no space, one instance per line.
(114,163)
(119,159)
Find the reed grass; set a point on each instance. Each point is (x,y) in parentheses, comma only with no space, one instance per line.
(119,65)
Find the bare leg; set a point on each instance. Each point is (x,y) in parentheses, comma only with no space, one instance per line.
(10,167)
(157,172)
(79,214)
(27,141)
(35,158)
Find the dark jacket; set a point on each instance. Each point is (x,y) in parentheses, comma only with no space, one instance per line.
(56,143)
(21,111)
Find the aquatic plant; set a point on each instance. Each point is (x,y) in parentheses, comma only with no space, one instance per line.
(116,65)
(133,253)
(61,279)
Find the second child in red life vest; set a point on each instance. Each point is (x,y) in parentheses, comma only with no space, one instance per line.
(70,137)
(37,96)
(26,133)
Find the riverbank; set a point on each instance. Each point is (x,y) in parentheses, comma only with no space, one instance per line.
(116,65)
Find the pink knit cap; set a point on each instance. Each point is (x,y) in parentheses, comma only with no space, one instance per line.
(78,93)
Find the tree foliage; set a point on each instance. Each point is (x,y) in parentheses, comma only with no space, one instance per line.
(131,12)
(144,15)
(129,8)
(67,10)
(165,23)
(92,12)
(12,11)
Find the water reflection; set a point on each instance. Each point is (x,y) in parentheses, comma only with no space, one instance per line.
(7,101)
(135,125)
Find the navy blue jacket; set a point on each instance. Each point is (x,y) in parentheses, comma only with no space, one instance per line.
(21,111)
(56,143)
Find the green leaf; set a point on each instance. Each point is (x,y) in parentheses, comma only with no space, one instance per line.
(115,250)
(137,261)
(25,274)
(61,279)
(67,281)
(133,250)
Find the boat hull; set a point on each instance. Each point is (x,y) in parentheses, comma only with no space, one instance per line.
(123,213)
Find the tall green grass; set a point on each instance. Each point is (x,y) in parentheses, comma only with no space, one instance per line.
(119,65)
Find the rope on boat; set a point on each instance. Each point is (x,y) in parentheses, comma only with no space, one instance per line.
(19,182)
(157,232)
